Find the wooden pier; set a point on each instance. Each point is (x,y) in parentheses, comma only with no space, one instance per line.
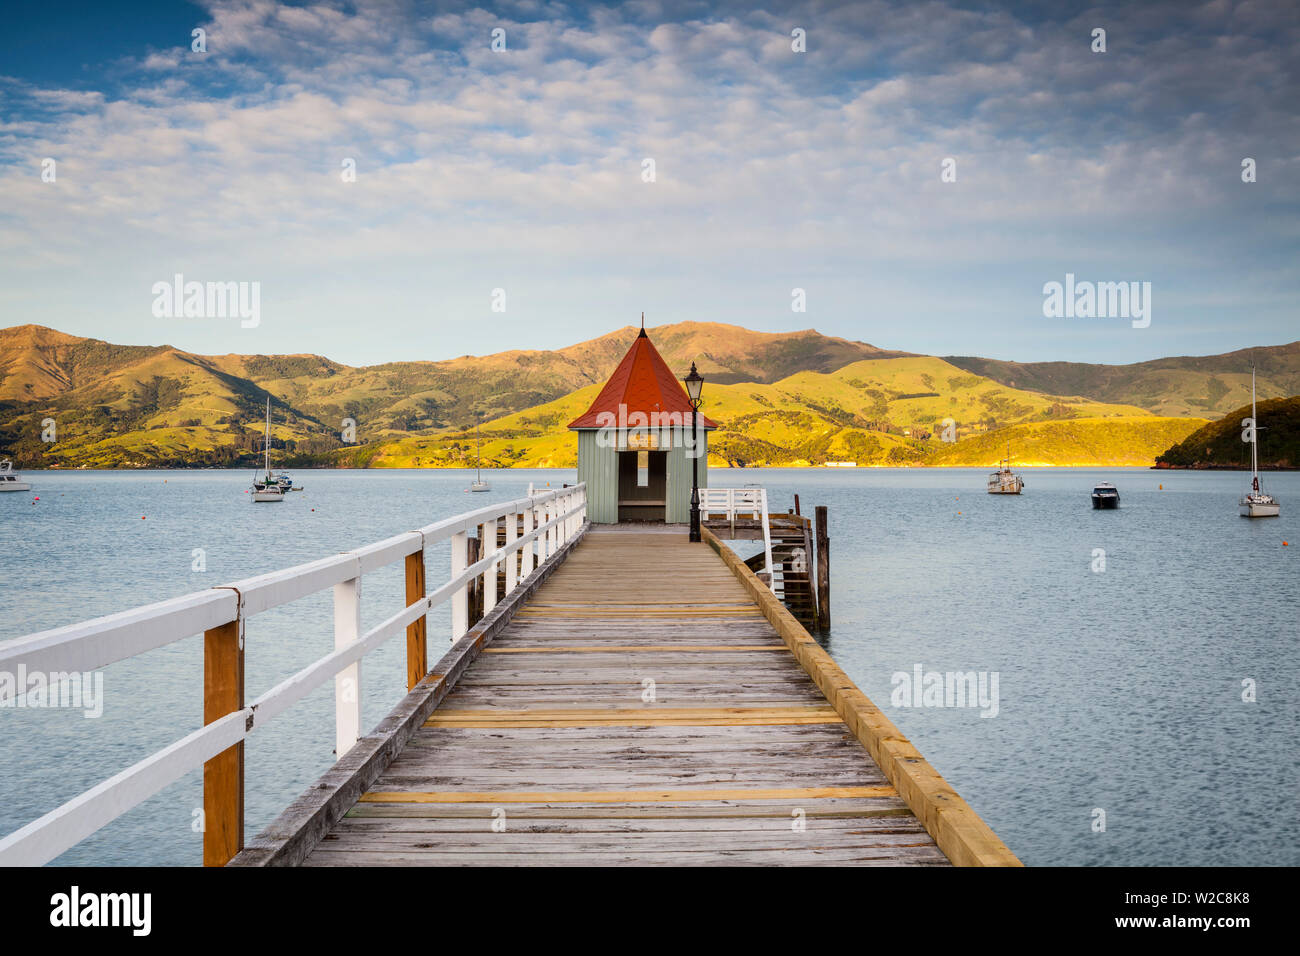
(627,697)
(639,708)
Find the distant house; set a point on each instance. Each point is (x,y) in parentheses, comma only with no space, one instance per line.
(636,450)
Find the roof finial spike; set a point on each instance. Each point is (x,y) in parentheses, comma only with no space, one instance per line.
(642,335)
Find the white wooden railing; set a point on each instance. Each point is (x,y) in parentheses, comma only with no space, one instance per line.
(549,520)
(731,503)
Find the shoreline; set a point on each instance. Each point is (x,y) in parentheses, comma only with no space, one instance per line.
(717,467)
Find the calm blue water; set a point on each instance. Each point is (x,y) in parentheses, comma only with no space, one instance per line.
(1118,690)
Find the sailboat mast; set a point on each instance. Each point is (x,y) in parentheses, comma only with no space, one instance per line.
(1254,444)
(267,440)
(478,454)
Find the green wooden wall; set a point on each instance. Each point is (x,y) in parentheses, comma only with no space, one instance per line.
(598,467)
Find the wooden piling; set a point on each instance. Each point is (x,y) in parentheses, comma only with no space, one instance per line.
(823,571)
(223,775)
(417,642)
(476,584)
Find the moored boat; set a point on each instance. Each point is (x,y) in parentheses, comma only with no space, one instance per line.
(269,488)
(1255,504)
(1004,481)
(10,480)
(478,484)
(1105,495)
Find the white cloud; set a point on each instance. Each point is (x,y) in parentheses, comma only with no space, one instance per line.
(767,160)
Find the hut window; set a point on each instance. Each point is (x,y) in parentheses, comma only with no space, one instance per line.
(643,469)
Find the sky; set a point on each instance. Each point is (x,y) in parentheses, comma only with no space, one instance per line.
(524,170)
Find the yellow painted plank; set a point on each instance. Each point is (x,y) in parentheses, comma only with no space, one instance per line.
(640,648)
(632,722)
(648,611)
(797,710)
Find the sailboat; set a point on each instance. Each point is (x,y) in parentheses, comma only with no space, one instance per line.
(270,489)
(1004,481)
(479,484)
(1256,504)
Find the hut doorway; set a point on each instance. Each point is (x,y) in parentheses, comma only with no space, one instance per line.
(642,485)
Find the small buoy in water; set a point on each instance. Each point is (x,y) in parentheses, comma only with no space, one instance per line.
(1162,487)
(1285,545)
(142,517)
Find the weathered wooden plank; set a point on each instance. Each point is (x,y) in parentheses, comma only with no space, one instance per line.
(786,856)
(886,839)
(356,827)
(829,807)
(621,796)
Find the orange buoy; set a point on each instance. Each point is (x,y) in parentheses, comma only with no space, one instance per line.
(1284,544)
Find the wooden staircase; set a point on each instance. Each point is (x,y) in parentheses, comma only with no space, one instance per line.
(792,564)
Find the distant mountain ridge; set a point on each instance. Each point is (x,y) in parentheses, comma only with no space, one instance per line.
(1184,385)
(121,405)
(786,397)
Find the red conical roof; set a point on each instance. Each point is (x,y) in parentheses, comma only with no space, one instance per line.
(644,383)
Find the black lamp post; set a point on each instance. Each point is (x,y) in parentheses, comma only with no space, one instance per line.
(694,385)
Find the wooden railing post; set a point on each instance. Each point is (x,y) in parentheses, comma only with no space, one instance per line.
(526,553)
(223,775)
(512,562)
(417,640)
(347,682)
(490,575)
(550,532)
(460,597)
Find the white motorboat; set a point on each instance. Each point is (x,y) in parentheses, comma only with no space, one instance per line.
(10,480)
(1004,481)
(1255,504)
(268,489)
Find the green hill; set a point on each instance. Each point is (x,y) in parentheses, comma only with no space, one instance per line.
(1080,442)
(1219,445)
(878,411)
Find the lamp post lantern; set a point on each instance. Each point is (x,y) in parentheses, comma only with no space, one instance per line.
(694,385)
